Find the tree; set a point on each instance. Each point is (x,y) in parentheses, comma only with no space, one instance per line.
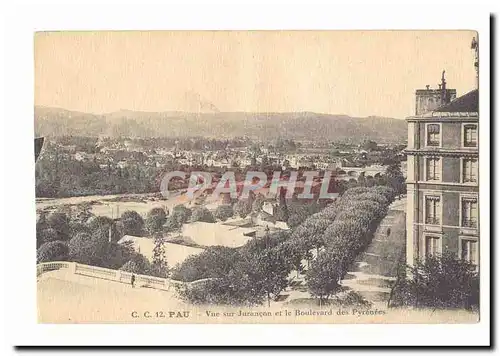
(182,212)
(224,212)
(132,223)
(41,223)
(201,213)
(180,215)
(46,235)
(118,254)
(214,262)
(396,179)
(439,281)
(159,266)
(300,212)
(138,265)
(77,227)
(369,145)
(258,203)
(102,226)
(311,233)
(52,251)
(361,180)
(269,266)
(243,207)
(155,220)
(324,275)
(90,249)
(235,288)
(83,212)
(60,223)
(294,253)
(282,213)
(240,278)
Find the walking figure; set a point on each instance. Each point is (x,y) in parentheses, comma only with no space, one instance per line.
(132,281)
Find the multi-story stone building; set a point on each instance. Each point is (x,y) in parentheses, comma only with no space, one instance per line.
(442,176)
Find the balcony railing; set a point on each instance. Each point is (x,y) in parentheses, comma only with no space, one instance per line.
(470,144)
(432,143)
(432,220)
(470,223)
(470,179)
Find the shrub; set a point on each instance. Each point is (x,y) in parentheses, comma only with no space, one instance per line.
(202,214)
(234,289)
(224,212)
(138,265)
(443,281)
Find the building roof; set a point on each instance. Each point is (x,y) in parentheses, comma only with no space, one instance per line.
(217,234)
(466,103)
(174,253)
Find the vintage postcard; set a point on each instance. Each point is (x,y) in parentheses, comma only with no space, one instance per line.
(269,177)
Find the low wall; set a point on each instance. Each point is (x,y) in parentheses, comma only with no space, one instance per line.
(109,274)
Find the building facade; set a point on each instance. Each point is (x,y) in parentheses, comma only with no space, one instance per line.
(443,180)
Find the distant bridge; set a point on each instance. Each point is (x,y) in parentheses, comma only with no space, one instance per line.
(347,173)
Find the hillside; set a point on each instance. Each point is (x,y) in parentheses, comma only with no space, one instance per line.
(297,125)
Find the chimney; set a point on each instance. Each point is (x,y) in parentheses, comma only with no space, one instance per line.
(475,46)
(429,99)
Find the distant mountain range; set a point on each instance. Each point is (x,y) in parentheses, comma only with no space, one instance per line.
(297,125)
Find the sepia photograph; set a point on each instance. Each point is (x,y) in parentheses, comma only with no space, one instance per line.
(257,176)
(238,175)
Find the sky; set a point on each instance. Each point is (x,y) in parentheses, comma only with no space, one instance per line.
(357,73)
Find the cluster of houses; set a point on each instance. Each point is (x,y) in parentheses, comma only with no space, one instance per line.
(123,153)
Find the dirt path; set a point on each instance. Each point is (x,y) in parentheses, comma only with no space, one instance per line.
(375,272)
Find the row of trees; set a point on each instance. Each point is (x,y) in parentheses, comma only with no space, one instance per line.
(259,270)
(348,229)
(95,243)
(75,234)
(65,224)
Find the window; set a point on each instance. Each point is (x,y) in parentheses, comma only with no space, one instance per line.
(470,135)
(433,168)
(432,245)
(469,170)
(469,251)
(433,135)
(432,210)
(469,212)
